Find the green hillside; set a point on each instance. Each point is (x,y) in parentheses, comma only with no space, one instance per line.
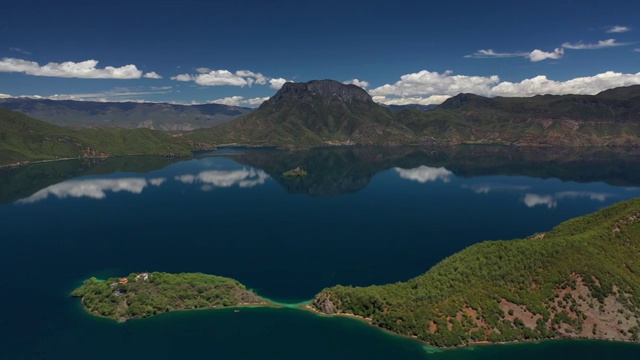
(581,279)
(24,139)
(326,112)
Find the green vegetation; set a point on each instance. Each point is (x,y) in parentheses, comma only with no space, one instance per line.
(161,292)
(23,139)
(297,172)
(580,279)
(320,113)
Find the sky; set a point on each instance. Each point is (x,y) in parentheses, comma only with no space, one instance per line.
(241,52)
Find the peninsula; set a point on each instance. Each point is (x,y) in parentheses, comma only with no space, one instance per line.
(141,295)
(579,280)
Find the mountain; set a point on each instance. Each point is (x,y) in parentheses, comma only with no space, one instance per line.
(326,112)
(579,280)
(129,115)
(316,113)
(23,139)
(619,106)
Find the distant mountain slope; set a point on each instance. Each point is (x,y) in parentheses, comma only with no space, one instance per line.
(617,105)
(25,139)
(579,280)
(316,113)
(326,112)
(411,106)
(129,115)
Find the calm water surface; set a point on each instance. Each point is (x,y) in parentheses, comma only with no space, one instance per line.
(361,217)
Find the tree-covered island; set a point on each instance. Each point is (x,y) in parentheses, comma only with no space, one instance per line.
(142,295)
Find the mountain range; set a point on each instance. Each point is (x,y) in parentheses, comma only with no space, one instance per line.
(128,115)
(326,112)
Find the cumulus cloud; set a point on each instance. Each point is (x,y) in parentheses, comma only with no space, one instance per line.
(257,100)
(539,55)
(535,55)
(157,181)
(433,83)
(423,174)
(239,101)
(426,87)
(532,200)
(152,75)
(244,178)
(430,100)
(276,84)
(618,29)
(208,77)
(119,94)
(231,100)
(4,96)
(94,189)
(602,44)
(361,83)
(69,69)
(487,188)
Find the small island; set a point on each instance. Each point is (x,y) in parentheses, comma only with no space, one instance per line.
(141,295)
(297,172)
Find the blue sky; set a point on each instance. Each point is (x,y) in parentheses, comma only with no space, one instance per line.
(239,52)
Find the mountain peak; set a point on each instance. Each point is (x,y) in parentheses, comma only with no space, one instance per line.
(329,89)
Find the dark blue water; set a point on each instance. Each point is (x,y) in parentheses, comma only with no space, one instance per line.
(353,221)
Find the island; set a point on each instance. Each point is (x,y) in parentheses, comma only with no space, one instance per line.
(297,172)
(141,295)
(579,280)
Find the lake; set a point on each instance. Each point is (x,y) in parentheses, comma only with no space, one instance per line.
(363,216)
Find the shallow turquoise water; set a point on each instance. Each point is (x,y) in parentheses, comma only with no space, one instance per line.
(357,223)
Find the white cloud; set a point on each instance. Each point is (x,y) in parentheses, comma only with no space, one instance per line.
(618,29)
(589,85)
(208,77)
(489,53)
(84,69)
(539,55)
(427,87)
(152,75)
(94,189)
(4,96)
(431,100)
(231,100)
(182,77)
(277,83)
(244,178)
(361,83)
(119,94)
(602,44)
(433,83)
(535,55)
(19,50)
(239,101)
(257,101)
(423,174)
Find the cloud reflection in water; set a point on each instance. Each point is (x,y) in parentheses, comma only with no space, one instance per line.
(94,188)
(423,174)
(244,178)
(551,201)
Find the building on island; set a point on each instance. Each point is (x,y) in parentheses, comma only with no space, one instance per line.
(142,276)
(123,281)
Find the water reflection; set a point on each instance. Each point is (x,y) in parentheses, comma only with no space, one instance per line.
(423,174)
(94,188)
(551,201)
(488,188)
(244,178)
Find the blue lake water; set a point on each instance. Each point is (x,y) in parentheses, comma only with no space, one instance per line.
(361,217)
